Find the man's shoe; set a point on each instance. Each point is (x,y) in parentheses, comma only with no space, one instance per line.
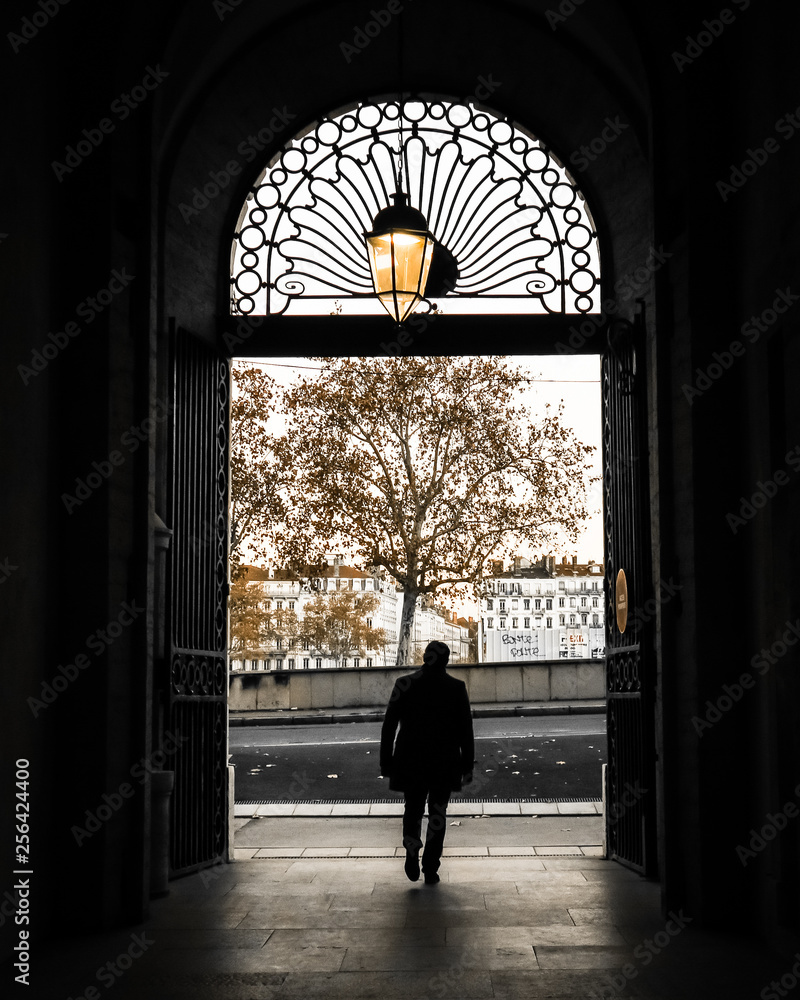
(431,878)
(412,865)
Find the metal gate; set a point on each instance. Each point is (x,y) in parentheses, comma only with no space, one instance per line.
(197,604)
(630,686)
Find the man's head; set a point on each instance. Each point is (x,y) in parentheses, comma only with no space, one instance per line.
(436,655)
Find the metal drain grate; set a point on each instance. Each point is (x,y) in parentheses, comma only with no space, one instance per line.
(398,801)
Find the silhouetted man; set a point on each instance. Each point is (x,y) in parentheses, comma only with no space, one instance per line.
(433,755)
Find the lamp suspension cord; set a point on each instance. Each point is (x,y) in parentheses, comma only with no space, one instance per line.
(400,96)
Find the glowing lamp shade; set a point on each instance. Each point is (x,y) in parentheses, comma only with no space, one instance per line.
(400,251)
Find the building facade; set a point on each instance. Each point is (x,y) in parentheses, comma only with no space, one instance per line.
(283,590)
(543,611)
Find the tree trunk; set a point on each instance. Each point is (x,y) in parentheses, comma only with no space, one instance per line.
(406,626)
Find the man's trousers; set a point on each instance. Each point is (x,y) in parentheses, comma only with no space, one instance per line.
(438,798)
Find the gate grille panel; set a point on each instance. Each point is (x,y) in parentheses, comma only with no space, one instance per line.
(197,709)
(630,791)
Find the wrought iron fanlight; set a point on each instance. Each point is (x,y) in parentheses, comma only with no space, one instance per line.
(400,252)
(501,219)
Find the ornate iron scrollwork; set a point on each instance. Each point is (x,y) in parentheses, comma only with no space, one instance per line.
(510,223)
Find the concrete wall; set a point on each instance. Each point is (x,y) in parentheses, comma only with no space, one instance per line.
(370,687)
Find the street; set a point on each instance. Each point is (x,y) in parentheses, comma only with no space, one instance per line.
(543,757)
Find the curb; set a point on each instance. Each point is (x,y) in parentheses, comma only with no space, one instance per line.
(376,715)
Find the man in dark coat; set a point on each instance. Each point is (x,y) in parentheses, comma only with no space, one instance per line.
(433,756)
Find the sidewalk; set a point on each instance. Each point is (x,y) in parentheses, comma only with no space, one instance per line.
(324,716)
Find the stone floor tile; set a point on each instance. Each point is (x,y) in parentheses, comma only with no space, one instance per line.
(582,957)
(593,852)
(313,809)
(564,849)
(387,985)
(371,852)
(351,809)
(232,938)
(512,851)
(539,808)
(465,852)
(275,809)
(244,853)
(577,809)
(566,985)
(279,852)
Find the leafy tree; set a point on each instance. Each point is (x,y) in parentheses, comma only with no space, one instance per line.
(427,467)
(336,623)
(254,625)
(257,507)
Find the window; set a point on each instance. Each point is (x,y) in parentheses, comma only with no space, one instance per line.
(305,643)
(562,585)
(584,619)
(279,664)
(279,605)
(502,588)
(356,661)
(549,622)
(561,620)
(561,602)
(306,662)
(594,585)
(369,661)
(291,663)
(527,623)
(490,605)
(572,619)
(364,584)
(595,602)
(572,603)
(344,661)
(279,643)
(526,605)
(583,602)
(502,605)
(548,603)
(538,604)
(318,662)
(514,605)
(369,623)
(595,619)
(502,623)
(515,622)
(291,605)
(490,622)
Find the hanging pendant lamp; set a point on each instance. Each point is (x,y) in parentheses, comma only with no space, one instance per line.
(400,251)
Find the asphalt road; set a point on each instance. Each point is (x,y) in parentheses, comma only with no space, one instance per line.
(545,757)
